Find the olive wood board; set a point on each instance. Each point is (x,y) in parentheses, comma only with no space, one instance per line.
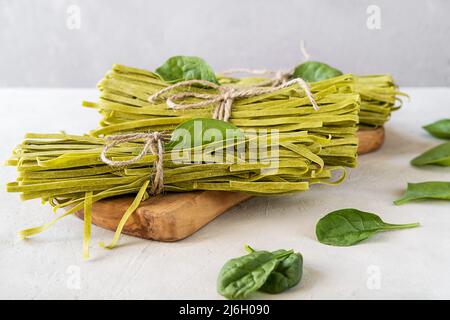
(175,216)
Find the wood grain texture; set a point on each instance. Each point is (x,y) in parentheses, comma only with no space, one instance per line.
(370,140)
(175,216)
(168,217)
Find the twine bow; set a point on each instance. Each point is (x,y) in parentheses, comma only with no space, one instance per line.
(154,142)
(226,96)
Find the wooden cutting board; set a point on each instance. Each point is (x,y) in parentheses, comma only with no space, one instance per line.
(175,216)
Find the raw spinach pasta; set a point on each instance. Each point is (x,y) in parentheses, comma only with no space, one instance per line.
(124,106)
(67,170)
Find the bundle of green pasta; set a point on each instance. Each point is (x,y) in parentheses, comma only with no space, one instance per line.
(125,107)
(67,171)
(379,93)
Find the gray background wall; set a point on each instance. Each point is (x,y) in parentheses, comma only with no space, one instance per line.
(43,43)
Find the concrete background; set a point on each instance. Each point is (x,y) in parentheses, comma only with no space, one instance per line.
(59,43)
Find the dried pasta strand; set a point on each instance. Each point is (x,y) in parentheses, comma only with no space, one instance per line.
(137,200)
(87,224)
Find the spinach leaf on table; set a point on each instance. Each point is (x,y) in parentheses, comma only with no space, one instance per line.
(286,275)
(439,155)
(241,276)
(425,190)
(271,272)
(312,71)
(181,68)
(439,129)
(347,227)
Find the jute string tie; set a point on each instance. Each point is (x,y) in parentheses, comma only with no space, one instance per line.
(154,143)
(225,96)
(277,78)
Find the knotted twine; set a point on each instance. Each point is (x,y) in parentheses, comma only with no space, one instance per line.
(154,142)
(226,96)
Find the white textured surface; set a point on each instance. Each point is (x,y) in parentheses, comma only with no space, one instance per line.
(411,263)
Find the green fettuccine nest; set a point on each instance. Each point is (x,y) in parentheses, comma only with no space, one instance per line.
(124,106)
(67,172)
(60,168)
(124,94)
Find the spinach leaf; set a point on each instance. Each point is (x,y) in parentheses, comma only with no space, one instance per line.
(241,276)
(201,131)
(271,272)
(347,227)
(312,71)
(180,68)
(426,190)
(439,155)
(286,275)
(439,129)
